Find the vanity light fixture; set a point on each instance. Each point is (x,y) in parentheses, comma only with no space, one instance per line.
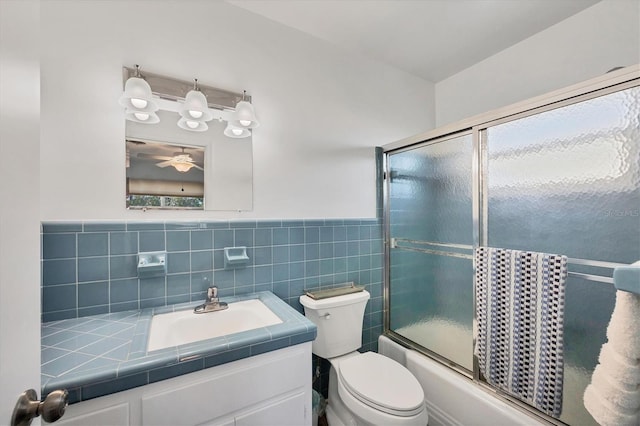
(195,111)
(244,115)
(142,117)
(144,96)
(138,100)
(236,132)
(192,125)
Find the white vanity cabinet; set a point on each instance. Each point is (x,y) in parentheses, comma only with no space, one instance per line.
(273,388)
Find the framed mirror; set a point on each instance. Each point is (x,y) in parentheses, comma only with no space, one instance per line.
(220,168)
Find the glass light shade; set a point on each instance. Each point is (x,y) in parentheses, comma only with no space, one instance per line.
(182,167)
(245,116)
(236,132)
(148,117)
(138,103)
(137,96)
(195,107)
(192,125)
(142,116)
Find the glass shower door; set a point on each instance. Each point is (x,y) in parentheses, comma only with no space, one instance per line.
(562,178)
(567,181)
(430,216)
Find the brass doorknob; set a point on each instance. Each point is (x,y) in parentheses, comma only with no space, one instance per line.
(28,407)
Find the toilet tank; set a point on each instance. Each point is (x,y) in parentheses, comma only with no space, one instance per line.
(339,321)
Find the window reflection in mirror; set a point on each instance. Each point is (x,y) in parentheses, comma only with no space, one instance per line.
(161,175)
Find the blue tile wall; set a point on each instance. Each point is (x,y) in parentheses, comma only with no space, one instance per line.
(89,268)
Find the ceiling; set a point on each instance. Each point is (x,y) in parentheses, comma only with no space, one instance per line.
(432,39)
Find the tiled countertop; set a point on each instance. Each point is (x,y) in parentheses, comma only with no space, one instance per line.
(102,354)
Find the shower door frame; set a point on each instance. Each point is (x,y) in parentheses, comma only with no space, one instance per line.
(477,126)
(387,241)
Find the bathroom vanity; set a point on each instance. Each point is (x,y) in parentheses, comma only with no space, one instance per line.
(271,388)
(257,376)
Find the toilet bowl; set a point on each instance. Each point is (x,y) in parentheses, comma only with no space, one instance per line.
(364,388)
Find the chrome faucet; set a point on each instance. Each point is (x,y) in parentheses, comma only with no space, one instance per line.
(212,294)
(212,302)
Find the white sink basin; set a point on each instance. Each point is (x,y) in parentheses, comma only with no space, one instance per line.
(179,328)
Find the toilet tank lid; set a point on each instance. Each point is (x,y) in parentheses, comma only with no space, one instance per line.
(331,302)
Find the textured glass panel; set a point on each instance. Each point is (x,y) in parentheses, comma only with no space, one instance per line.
(430,192)
(431,295)
(432,303)
(567,181)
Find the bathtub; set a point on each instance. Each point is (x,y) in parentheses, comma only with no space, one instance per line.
(451,398)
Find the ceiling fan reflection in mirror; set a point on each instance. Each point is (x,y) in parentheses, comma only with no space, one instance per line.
(181,161)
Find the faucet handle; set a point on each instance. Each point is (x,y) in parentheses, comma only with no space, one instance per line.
(212,292)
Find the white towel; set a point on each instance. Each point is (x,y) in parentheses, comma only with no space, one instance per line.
(605,413)
(623,331)
(613,397)
(626,398)
(620,368)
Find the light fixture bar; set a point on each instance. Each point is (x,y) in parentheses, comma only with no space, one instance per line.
(174,89)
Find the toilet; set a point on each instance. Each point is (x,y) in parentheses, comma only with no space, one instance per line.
(364,388)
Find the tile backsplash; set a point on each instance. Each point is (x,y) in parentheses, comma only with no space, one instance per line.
(90,268)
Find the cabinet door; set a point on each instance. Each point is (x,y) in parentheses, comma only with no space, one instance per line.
(283,412)
(213,395)
(115,415)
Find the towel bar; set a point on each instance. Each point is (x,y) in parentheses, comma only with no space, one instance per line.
(591,277)
(440,250)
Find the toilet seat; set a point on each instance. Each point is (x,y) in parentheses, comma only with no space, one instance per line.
(382,383)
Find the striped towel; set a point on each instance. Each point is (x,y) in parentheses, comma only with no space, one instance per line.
(520,313)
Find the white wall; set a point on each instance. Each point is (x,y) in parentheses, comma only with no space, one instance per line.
(19,209)
(322,110)
(581,47)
